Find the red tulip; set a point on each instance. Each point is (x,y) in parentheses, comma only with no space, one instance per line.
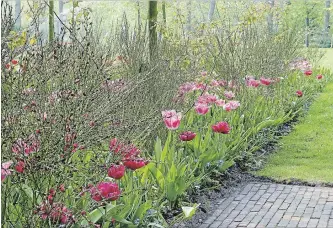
(299,93)
(14,61)
(19,167)
(319,76)
(171,119)
(134,164)
(116,171)
(201,109)
(105,190)
(221,127)
(187,136)
(308,72)
(265,81)
(7,66)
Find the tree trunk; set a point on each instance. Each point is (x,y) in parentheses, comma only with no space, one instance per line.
(139,16)
(61,9)
(211,10)
(51,20)
(307,36)
(18,14)
(152,23)
(164,12)
(189,16)
(327,17)
(270,22)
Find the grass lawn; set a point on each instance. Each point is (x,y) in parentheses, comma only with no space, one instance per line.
(327,60)
(307,153)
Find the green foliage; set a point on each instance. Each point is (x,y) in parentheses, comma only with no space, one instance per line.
(75,97)
(305,154)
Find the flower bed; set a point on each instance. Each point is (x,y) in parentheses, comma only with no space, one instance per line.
(91,140)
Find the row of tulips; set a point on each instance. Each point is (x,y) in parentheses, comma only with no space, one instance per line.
(123,188)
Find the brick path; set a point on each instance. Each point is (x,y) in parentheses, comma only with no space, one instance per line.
(274,205)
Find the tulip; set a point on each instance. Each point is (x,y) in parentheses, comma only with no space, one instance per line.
(203,73)
(229,94)
(207,99)
(221,127)
(19,167)
(220,102)
(299,93)
(171,119)
(252,83)
(116,171)
(319,76)
(134,164)
(105,190)
(201,109)
(187,136)
(265,81)
(5,170)
(14,61)
(62,188)
(308,72)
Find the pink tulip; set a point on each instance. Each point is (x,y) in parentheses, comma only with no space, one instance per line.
(229,94)
(252,83)
(234,104)
(220,102)
(203,73)
(207,99)
(5,170)
(319,76)
(201,109)
(231,105)
(171,119)
(221,127)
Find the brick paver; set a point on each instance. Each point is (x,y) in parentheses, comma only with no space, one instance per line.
(275,205)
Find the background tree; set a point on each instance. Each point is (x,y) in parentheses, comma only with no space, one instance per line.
(327,20)
(211,10)
(18,14)
(51,20)
(152,23)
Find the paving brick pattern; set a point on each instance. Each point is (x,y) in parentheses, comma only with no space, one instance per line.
(275,205)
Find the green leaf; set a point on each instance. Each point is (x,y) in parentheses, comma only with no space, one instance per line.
(190,211)
(97,214)
(28,191)
(141,211)
(158,150)
(157,174)
(166,147)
